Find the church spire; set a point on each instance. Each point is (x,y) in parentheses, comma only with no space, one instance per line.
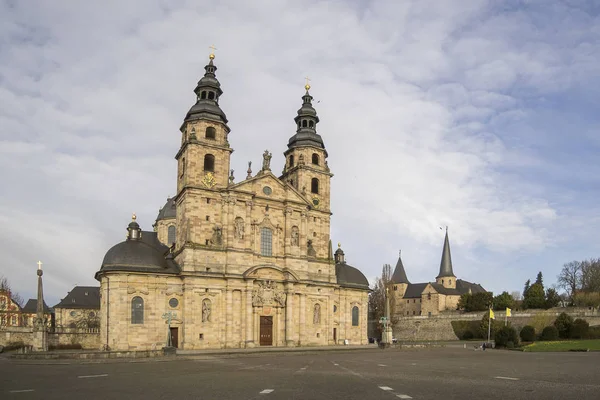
(306,124)
(446,263)
(399,275)
(208,90)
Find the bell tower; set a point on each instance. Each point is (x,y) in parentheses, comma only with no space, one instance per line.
(203,163)
(306,166)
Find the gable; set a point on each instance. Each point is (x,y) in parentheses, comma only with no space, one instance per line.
(268,186)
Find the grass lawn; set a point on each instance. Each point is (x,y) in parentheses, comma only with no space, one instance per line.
(564,345)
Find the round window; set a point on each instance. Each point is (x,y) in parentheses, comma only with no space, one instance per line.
(173,302)
(267,190)
(92,314)
(73,313)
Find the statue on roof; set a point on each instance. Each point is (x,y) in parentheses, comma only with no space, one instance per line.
(266,161)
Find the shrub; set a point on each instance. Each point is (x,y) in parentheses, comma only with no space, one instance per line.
(468,335)
(505,335)
(563,324)
(594,332)
(550,333)
(14,345)
(66,346)
(527,333)
(461,327)
(579,329)
(484,325)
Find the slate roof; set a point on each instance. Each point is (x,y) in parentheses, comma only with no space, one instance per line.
(414,290)
(145,255)
(81,297)
(31,307)
(446,263)
(348,276)
(399,275)
(443,290)
(168,211)
(464,286)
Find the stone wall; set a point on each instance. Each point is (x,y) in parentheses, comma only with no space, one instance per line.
(439,327)
(87,338)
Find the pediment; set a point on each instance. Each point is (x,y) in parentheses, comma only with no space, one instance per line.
(270,273)
(278,190)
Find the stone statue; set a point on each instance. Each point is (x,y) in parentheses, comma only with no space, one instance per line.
(317,314)
(295,236)
(249,172)
(217,235)
(239,228)
(267,160)
(231,178)
(206,310)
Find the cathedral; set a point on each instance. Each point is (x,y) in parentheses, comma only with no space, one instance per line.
(235,264)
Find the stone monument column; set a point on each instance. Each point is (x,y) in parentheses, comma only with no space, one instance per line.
(40,332)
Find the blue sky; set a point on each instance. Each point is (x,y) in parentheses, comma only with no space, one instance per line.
(480,115)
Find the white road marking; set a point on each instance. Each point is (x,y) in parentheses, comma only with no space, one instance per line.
(92,376)
(403,396)
(303,368)
(507,378)
(22,391)
(385,388)
(267,391)
(381,365)
(335,364)
(413,364)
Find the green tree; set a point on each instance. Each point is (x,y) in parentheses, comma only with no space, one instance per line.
(552,298)
(549,333)
(475,302)
(527,286)
(503,300)
(564,324)
(535,297)
(527,333)
(484,324)
(539,279)
(580,329)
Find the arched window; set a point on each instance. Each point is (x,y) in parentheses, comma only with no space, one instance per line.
(355,316)
(299,124)
(315,159)
(211,95)
(314,186)
(291,161)
(171,235)
(310,124)
(203,95)
(137,310)
(209,163)
(182,167)
(266,242)
(211,133)
(304,124)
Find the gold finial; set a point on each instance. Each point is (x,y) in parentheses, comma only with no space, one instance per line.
(133,217)
(339,245)
(307,86)
(39,264)
(212,52)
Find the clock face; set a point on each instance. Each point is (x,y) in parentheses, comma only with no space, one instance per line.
(316,202)
(173,302)
(209,180)
(267,190)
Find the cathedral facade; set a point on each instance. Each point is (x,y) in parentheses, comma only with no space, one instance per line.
(235,264)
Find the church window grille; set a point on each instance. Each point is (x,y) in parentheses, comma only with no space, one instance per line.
(355,316)
(291,161)
(203,95)
(137,310)
(171,235)
(209,163)
(315,159)
(266,242)
(304,124)
(314,186)
(211,95)
(211,133)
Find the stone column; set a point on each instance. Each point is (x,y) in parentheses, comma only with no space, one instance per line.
(229,317)
(289,316)
(249,317)
(302,319)
(40,331)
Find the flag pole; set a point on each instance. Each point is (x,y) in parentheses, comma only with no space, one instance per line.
(489,323)
(505,318)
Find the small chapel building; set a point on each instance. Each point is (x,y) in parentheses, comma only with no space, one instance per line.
(235,264)
(429,298)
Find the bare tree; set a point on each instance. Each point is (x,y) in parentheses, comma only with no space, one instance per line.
(377,298)
(590,275)
(516,295)
(5,285)
(569,278)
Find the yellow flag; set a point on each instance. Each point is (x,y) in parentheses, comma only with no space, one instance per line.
(508,314)
(492,315)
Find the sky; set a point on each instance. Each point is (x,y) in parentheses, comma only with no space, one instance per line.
(477,115)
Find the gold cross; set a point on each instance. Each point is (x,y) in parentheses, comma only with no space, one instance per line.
(212,53)
(307,86)
(39,263)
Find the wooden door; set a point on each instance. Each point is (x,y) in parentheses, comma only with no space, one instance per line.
(175,337)
(266,331)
